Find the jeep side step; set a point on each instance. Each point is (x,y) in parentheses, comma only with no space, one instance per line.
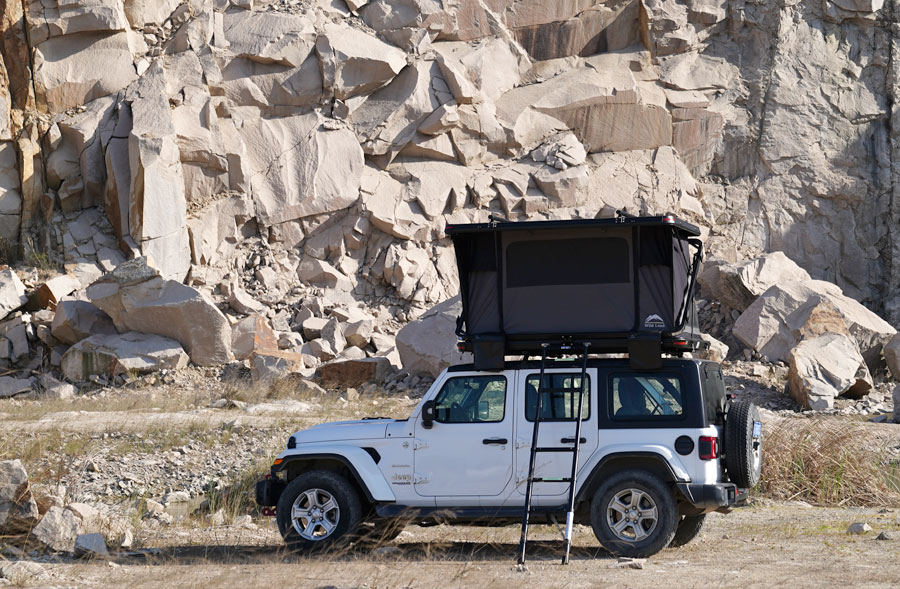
(545,388)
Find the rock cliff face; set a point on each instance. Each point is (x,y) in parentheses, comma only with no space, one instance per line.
(298,147)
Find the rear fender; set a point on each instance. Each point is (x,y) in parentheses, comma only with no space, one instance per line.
(359,462)
(657,459)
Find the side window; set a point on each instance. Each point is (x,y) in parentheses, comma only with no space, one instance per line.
(649,397)
(559,401)
(471,399)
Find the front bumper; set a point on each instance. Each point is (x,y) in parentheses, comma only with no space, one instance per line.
(268,491)
(713,497)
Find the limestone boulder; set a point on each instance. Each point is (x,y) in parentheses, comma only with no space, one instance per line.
(359,333)
(892,356)
(384,199)
(76,167)
(10,189)
(17,505)
(52,291)
(273,88)
(273,364)
(428,344)
(141,13)
(57,530)
(12,292)
(561,152)
(548,30)
(348,373)
(216,229)
(66,73)
(353,62)
(320,272)
(269,37)
(77,320)
(738,285)
(11,386)
(252,335)
(717,352)
(241,301)
(156,205)
(773,324)
(388,119)
(292,162)
(137,298)
(825,367)
(333,334)
(492,65)
(90,546)
(130,352)
(55,18)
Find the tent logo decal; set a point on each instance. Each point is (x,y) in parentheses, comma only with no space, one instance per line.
(654,322)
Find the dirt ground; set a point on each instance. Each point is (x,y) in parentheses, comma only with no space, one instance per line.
(761,546)
(764,545)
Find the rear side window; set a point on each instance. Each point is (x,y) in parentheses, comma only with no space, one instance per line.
(656,397)
(557,405)
(713,393)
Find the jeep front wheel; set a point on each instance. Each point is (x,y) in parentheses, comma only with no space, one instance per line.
(633,514)
(318,510)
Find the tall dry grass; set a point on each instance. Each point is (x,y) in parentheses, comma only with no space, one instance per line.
(826,462)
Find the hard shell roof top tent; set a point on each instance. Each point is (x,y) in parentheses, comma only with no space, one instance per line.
(623,284)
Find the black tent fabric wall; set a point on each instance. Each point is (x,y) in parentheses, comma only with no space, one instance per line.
(579,278)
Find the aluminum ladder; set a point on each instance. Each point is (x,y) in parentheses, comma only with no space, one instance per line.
(545,388)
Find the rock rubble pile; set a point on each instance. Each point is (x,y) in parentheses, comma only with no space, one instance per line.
(267,182)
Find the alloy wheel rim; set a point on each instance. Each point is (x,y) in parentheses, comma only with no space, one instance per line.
(315,514)
(632,515)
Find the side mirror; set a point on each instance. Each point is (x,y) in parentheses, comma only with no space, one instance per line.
(428,414)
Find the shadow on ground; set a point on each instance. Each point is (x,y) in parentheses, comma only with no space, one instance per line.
(548,551)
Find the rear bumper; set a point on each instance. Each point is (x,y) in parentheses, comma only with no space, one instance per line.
(268,491)
(713,497)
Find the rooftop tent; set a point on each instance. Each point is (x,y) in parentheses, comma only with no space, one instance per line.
(607,281)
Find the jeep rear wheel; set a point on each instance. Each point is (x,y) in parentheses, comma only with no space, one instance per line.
(688,528)
(743,444)
(318,510)
(633,514)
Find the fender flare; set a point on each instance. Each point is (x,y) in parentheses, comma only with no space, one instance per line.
(646,455)
(357,461)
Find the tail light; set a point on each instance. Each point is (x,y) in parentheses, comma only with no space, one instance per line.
(709,447)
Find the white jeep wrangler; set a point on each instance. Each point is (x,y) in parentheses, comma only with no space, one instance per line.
(659,450)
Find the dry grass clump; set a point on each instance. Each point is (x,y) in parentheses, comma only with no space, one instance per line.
(826,462)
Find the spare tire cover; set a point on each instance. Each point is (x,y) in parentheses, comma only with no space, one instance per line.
(743,444)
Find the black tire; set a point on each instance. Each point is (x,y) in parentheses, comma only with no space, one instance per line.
(743,452)
(331,527)
(687,529)
(622,488)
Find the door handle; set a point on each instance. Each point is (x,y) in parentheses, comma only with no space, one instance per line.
(572,441)
(497,441)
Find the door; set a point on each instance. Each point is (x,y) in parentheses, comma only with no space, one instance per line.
(468,450)
(557,428)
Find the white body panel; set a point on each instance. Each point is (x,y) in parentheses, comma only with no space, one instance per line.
(362,463)
(450,465)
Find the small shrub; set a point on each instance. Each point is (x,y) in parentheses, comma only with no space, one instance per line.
(828,463)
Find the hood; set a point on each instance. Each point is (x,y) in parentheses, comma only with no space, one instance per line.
(343,430)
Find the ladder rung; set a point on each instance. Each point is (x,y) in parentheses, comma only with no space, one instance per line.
(551,480)
(556,449)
